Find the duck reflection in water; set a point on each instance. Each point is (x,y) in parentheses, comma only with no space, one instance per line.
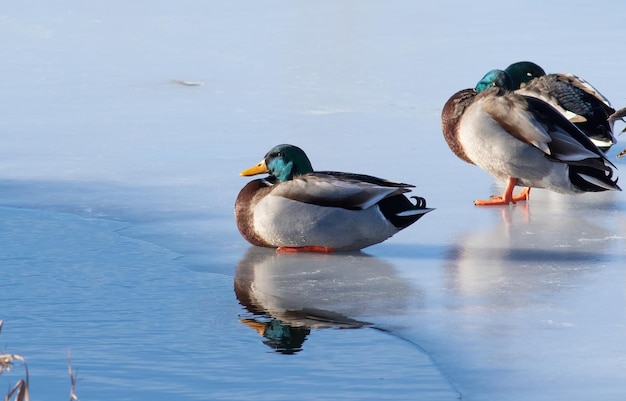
(286,296)
(533,250)
(278,335)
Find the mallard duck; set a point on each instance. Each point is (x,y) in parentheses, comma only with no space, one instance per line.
(574,97)
(297,209)
(523,141)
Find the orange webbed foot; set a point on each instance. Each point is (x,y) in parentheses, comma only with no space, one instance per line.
(311,248)
(507,197)
(495,200)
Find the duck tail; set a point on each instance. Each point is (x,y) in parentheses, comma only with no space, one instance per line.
(401,212)
(589,178)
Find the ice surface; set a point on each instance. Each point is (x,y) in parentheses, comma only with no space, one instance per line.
(117,183)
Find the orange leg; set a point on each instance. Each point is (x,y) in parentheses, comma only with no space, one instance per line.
(507,197)
(524,195)
(312,248)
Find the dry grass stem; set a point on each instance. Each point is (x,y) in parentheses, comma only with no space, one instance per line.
(73,378)
(6,361)
(19,392)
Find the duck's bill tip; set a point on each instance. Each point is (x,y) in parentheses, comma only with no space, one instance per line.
(260,168)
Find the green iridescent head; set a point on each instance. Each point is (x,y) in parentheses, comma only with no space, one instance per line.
(283,162)
(495,78)
(523,72)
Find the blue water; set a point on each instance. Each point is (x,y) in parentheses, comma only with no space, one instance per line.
(138,324)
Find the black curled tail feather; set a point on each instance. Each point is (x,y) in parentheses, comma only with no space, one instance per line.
(420,203)
(401,212)
(592,179)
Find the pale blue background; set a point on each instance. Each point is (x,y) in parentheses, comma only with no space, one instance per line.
(117,186)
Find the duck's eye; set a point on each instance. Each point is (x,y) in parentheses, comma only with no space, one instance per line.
(279,154)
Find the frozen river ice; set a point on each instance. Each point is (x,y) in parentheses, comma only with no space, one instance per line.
(117,186)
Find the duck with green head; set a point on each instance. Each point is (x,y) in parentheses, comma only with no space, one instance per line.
(574,97)
(523,141)
(298,209)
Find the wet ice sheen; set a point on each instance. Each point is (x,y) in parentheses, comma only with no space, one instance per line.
(117,186)
(140,325)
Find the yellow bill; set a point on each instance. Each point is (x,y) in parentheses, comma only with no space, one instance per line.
(258,169)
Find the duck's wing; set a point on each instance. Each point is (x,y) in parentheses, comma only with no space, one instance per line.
(511,112)
(568,142)
(586,87)
(548,89)
(535,122)
(336,189)
(574,97)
